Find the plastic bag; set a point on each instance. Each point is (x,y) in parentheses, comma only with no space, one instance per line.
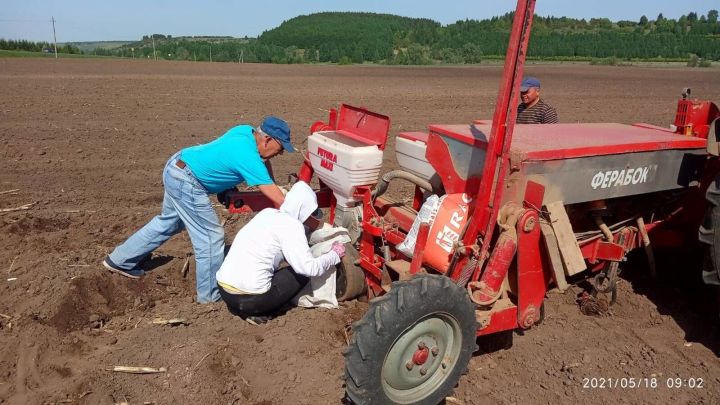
(427,214)
(326,233)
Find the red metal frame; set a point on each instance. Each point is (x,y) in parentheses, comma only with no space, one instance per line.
(363,125)
(532,279)
(439,154)
(561,141)
(247,202)
(694,116)
(385,222)
(419,247)
(489,195)
(371,262)
(505,319)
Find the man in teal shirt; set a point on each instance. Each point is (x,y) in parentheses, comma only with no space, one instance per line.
(240,155)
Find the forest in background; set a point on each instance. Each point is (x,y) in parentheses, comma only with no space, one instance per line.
(347,37)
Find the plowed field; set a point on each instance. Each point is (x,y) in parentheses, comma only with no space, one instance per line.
(85,141)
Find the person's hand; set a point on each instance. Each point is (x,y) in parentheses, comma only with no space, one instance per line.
(223,196)
(339,248)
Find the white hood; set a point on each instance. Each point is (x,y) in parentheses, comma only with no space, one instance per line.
(300,202)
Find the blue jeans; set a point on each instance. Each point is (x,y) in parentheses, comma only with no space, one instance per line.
(186,205)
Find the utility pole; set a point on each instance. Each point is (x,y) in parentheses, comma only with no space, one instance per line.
(153,39)
(54,37)
(210,52)
(133,52)
(242,56)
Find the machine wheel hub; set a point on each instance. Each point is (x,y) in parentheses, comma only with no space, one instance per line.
(420,356)
(430,346)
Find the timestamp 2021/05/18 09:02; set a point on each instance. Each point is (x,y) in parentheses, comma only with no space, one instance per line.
(642,382)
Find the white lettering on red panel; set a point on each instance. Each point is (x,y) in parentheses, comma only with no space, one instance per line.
(447,238)
(450,232)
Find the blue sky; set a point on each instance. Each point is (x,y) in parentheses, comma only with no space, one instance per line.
(90,20)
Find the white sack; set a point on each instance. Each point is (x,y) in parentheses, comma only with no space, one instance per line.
(320,290)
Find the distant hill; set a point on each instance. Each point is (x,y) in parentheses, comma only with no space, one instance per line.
(91,46)
(374,37)
(197,48)
(103,47)
(360,36)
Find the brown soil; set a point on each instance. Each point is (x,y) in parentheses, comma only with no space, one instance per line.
(85,140)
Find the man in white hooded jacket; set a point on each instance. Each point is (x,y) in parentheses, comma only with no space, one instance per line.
(251,282)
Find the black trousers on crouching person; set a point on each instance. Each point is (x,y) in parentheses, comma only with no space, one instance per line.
(285,284)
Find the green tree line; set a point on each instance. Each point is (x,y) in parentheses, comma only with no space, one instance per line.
(598,37)
(23,45)
(351,37)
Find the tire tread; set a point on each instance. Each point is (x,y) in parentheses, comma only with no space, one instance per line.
(389,315)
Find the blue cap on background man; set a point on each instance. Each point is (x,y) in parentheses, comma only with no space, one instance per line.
(528,82)
(279,130)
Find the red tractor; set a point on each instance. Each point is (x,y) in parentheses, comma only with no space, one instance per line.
(520,209)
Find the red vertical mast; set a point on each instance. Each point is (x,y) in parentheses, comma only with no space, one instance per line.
(496,167)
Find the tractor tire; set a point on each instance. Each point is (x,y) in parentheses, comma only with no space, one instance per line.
(412,345)
(709,235)
(350,279)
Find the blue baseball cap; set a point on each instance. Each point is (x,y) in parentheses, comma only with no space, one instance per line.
(279,130)
(528,82)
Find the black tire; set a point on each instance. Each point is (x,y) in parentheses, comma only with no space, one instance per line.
(428,317)
(709,235)
(350,279)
